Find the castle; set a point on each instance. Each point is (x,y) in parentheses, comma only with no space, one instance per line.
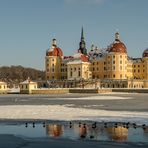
(104,68)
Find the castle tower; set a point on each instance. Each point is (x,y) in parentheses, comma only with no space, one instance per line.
(116,64)
(53,62)
(145,67)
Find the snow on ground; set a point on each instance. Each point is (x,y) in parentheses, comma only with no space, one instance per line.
(94,98)
(61,112)
(105,98)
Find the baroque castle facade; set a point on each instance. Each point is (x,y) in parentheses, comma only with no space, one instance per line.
(108,68)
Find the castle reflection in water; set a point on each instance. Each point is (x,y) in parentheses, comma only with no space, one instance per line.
(117,133)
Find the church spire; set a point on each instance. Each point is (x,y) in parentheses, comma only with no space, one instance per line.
(82,35)
(82,47)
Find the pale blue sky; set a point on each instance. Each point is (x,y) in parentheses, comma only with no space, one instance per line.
(28,26)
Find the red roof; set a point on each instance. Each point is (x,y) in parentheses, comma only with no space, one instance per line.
(118,47)
(84,58)
(55,52)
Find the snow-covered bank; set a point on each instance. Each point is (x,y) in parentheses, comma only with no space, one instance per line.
(98,98)
(61,112)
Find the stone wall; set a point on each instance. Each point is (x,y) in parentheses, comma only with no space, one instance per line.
(81,90)
(131,90)
(3,92)
(70,90)
(50,91)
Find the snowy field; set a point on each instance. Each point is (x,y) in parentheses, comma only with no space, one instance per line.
(60,112)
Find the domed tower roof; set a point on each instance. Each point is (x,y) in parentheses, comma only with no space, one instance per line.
(54,50)
(117,45)
(145,53)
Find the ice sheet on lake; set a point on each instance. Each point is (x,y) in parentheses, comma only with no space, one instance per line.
(61,112)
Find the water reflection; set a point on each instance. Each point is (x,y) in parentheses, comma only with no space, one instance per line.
(54,130)
(118,133)
(83,131)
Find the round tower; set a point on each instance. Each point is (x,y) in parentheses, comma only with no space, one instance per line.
(53,61)
(117,59)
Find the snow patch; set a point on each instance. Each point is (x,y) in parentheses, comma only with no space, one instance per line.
(61,112)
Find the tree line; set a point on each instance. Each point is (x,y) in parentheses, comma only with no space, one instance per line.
(17,74)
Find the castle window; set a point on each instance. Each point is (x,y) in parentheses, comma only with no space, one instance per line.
(97,69)
(97,63)
(114,76)
(138,70)
(93,69)
(71,74)
(138,65)
(104,63)
(52,69)
(120,62)
(79,73)
(93,63)
(120,56)
(52,77)
(120,76)
(75,69)
(114,57)
(53,65)
(113,62)
(53,60)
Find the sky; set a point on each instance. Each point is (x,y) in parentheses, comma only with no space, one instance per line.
(27,27)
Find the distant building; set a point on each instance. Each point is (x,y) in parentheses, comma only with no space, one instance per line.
(109,68)
(27,86)
(3,87)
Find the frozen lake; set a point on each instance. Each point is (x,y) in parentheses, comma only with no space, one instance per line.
(51,115)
